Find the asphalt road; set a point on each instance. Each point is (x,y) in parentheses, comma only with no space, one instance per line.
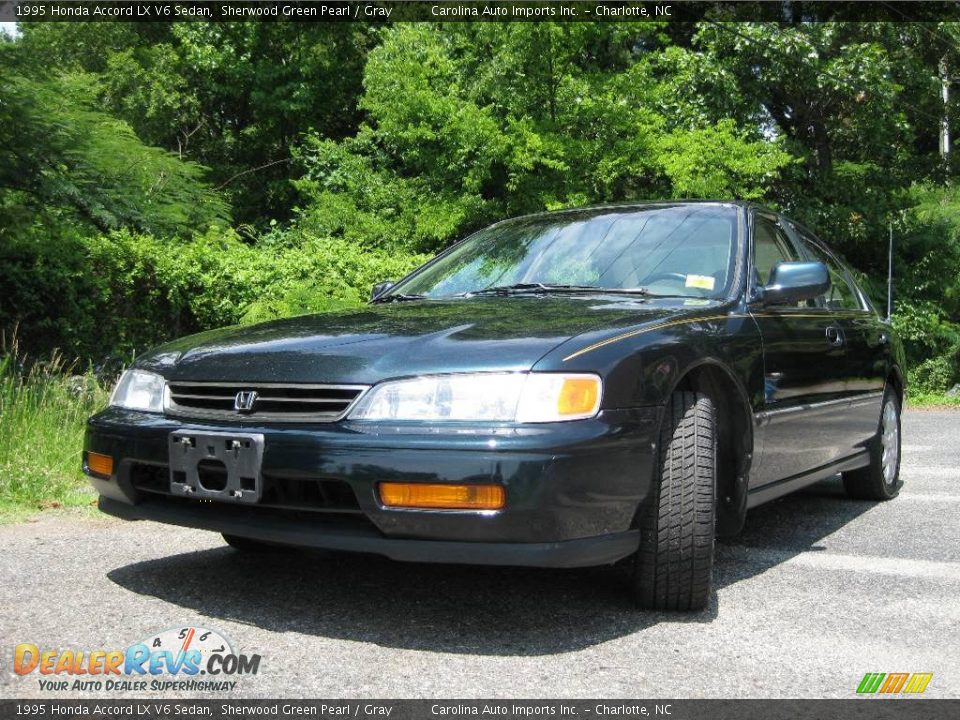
(816,592)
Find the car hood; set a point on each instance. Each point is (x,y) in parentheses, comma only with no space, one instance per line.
(399,339)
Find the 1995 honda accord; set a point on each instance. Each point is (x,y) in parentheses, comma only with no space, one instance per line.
(564,389)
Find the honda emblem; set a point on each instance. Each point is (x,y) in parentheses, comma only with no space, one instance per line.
(244,401)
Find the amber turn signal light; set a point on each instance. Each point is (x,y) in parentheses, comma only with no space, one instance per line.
(578,396)
(98,464)
(442,496)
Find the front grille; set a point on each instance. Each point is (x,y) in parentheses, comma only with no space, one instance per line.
(308,494)
(150,478)
(276,402)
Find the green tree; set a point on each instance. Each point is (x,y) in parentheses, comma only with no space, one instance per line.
(234,97)
(68,159)
(468,123)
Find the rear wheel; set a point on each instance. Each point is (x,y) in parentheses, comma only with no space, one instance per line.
(674,565)
(880,480)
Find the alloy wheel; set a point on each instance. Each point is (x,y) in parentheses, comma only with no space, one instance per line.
(890,442)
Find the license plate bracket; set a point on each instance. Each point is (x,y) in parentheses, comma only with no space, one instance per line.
(216,466)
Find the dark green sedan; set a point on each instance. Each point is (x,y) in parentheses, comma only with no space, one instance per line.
(566,389)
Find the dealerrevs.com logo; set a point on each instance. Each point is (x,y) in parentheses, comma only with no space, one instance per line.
(894,683)
(185,658)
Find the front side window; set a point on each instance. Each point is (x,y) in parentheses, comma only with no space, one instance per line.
(685,250)
(771,246)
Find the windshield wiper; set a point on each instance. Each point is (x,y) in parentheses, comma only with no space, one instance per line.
(525,288)
(398,297)
(630,291)
(534,288)
(644,292)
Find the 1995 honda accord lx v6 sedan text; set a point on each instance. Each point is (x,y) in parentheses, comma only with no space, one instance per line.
(565,389)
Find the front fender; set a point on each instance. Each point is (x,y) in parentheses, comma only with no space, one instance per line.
(642,366)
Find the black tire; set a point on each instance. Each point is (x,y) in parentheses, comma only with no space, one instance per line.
(674,565)
(880,480)
(249,545)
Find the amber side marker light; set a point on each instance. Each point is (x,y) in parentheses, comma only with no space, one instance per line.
(442,496)
(97,464)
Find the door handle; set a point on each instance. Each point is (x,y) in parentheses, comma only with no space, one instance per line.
(834,335)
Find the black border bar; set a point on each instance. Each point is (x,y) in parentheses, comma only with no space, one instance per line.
(475,11)
(875,708)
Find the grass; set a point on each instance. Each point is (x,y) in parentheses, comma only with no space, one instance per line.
(922,400)
(42,414)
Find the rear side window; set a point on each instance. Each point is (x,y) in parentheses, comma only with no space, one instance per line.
(842,295)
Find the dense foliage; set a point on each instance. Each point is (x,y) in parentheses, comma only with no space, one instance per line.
(166,178)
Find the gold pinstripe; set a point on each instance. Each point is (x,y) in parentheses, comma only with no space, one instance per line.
(641,331)
(706,318)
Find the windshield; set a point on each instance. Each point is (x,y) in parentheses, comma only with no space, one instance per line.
(685,250)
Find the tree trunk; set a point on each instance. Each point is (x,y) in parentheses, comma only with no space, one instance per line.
(821,140)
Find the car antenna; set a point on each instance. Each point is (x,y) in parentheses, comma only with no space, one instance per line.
(890,275)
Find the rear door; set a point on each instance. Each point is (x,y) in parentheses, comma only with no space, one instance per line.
(805,368)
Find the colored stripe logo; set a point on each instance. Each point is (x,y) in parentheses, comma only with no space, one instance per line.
(893,683)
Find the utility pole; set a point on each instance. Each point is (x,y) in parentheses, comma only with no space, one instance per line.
(890,275)
(945,119)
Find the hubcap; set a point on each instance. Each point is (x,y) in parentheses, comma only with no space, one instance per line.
(890,442)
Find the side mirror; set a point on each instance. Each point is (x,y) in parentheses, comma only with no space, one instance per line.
(380,288)
(792,282)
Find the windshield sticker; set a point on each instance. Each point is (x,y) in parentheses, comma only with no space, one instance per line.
(704,282)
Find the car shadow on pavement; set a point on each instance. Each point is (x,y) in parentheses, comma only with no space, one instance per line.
(460,608)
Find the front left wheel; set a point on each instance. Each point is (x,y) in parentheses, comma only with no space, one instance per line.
(674,566)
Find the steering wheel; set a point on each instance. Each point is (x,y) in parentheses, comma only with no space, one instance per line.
(680,277)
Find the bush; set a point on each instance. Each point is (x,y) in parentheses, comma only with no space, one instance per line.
(937,374)
(110,296)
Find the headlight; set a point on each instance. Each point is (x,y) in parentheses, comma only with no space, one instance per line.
(139,390)
(504,397)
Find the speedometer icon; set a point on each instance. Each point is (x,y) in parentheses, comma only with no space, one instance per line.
(182,639)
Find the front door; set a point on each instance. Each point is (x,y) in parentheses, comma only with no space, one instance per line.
(805,370)
(865,337)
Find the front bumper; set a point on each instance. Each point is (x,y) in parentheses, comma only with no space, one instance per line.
(573,489)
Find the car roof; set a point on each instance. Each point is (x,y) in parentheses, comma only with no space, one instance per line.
(640,205)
